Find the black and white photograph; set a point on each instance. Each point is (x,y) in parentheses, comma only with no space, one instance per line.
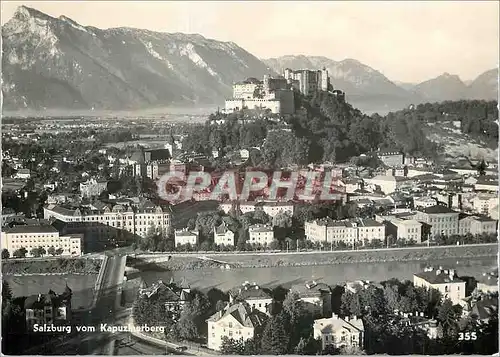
(209,178)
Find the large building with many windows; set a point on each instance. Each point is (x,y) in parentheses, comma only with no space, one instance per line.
(443,220)
(41,236)
(260,234)
(118,221)
(349,232)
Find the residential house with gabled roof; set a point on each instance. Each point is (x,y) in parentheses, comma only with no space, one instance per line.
(223,235)
(237,321)
(253,295)
(339,332)
(316,296)
(444,280)
(49,308)
(173,295)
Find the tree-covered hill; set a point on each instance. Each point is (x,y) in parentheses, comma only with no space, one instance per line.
(327,128)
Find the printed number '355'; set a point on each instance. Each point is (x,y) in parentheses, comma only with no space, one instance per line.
(467,336)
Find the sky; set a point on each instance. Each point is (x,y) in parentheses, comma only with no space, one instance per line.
(406,41)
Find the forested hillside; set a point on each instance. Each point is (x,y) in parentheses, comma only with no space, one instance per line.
(326,128)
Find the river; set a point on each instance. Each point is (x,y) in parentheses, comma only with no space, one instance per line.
(329,274)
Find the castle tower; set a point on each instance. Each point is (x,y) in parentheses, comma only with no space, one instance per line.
(325,80)
(266,83)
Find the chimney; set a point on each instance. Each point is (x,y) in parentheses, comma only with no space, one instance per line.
(39,297)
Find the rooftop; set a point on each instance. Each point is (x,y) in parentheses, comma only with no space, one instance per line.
(243,313)
(437,209)
(42,228)
(439,276)
(335,323)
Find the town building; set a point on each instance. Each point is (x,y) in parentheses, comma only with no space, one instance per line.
(36,236)
(424,202)
(487,184)
(339,332)
(184,236)
(223,235)
(237,321)
(388,184)
(485,203)
(476,225)
(317,297)
(487,283)
(444,280)
(123,219)
(260,234)
(272,209)
(174,296)
(50,309)
(391,157)
(346,231)
(408,229)
(253,295)
(92,188)
(358,285)
(417,319)
(443,220)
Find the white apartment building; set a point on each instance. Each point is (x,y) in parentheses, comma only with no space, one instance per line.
(104,221)
(92,188)
(388,184)
(444,280)
(476,225)
(253,295)
(330,231)
(272,209)
(408,229)
(442,220)
(237,321)
(339,332)
(260,234)
(223,236)
(424,202)
(185,236)
(35,236)
(485,203)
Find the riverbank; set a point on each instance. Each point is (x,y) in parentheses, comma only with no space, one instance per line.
(62,266)
(235,261)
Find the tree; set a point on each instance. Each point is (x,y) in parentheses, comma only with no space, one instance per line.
(52,251)
(59,251)
(20,253)
(230,346)
(448,317)
(5,254)
(275,339)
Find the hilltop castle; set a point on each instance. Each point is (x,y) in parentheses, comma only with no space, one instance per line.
(277,93)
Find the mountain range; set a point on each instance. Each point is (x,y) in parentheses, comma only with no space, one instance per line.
(53,62)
